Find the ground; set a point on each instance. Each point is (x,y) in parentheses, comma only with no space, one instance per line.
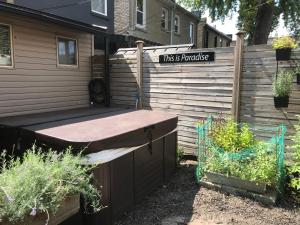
(182,201)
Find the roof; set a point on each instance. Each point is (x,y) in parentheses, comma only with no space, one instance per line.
(20,10)
(179,7)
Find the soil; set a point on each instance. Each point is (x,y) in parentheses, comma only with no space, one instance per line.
(182,201)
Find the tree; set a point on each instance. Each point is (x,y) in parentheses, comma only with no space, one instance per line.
(257,17)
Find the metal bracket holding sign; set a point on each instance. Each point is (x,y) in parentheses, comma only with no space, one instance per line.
(187,57)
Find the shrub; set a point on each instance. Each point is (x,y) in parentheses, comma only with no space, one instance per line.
(294,169)
(282,85)
(284,42)
(41,181)
(227,135)
(260,166)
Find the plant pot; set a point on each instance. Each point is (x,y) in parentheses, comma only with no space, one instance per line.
(69,207)
(298,78)
(281,101)
(283,54)
(236,182)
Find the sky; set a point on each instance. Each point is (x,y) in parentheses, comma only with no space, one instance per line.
(229,26)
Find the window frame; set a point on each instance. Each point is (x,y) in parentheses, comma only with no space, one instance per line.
(143,26)
(178,19)
(11,47)
(97,12)
(192,37)
(166,19)
(57,51)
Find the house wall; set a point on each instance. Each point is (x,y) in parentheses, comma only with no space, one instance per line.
(202,29)
(126,15)
(74,9)
(35,83)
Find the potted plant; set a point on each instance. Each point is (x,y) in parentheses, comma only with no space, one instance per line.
(282,88)
(297,74)
(283,46)
(44,187)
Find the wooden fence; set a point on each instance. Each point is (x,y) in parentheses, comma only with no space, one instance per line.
(195,90)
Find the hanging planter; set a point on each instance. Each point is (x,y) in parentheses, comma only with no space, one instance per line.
(284,46)
(281,102)
(298,78)
(282,88)
(297,74)
(283,54)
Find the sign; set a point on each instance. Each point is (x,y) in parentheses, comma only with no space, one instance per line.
(187,57)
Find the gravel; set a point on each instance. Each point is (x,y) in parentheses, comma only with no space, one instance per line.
(181,201)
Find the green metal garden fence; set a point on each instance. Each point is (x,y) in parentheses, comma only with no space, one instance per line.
(207,147)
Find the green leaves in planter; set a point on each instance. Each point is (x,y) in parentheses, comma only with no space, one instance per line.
(282,85)
(294,169)
(284,42)
(41,181)
(227,135)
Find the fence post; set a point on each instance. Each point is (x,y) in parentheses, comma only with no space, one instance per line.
(238,66)
(139,56)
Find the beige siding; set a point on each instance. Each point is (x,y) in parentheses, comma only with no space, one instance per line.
(36,83)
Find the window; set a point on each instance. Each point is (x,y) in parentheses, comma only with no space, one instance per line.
(216,41)
(164,19)
(177,24)
(192,35)
(99,6)
(67,51)
(141,12)
(206,39)
(5,46)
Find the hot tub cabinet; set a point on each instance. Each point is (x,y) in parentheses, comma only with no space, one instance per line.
(135,151)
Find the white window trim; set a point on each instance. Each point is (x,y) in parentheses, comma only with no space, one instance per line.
(193,34)
(77,53)
(166,19)
(178,19)
(97,12)
(144,15)
(11,47)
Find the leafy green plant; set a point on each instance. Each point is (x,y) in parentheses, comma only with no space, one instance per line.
(226,134)
(259,167)
(284,42)
(297,70)
(282,85)
(41,181)
(180,154)
(294,169)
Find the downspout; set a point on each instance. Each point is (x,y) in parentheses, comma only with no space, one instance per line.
(172,23)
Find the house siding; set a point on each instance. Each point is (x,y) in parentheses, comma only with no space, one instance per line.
(35,83)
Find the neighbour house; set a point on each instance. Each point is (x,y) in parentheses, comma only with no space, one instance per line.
(157,22)
(45,61)
(210,37)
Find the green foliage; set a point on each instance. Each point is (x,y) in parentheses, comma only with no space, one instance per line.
(260,166)
(248,10)
(282,85)
(284,42)
(294,170)
(297,70)
(227,135)
(40,181)
(180,154)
